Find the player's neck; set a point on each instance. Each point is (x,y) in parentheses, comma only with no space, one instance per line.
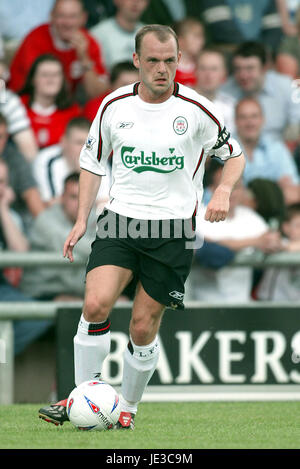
(147,95)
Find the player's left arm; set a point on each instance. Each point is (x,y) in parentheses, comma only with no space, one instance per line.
(218,207)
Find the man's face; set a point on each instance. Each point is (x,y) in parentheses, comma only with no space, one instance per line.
(249,121)
(157,63)
(192,41)
(3,137)
(48,78)
(69,200)
(211,72)
(67,18)
(72,144)
(132,10)
(249,73)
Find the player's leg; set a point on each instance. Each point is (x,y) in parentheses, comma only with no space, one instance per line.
(141,354)
(104,285)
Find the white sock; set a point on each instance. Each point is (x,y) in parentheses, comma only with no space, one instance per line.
(91,347)
(139,365)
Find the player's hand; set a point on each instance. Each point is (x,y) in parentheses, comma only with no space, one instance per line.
(75,235)
(218,207)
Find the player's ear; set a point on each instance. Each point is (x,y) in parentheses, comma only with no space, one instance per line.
(179,56)
(136,60)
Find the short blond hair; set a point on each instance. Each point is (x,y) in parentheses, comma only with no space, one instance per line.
(161,31)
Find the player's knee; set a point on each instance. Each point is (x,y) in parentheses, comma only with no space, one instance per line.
(143,330)
(96,309)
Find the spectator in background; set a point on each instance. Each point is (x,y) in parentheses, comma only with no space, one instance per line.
(169,11)
(288,57)
(11,230)
(283,283)
(251,77)
(28,202)
(18,123)
(53,164)
(1,47)
(47,100)
(117,34)
(267,199)
(12,238)
(191,39)
(265,157)
(233,22)
(98,10)
(243,229)
(47,234)
(66,38)
(19,17)
(122,74)
(287,10)
(211,74)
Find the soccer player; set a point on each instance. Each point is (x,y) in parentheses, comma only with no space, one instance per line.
(160,134)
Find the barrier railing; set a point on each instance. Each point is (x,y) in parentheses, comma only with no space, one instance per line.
(251,258)
(10,311)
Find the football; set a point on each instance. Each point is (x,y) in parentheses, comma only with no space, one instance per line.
(93,405)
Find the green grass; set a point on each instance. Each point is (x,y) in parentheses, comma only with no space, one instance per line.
(243,425)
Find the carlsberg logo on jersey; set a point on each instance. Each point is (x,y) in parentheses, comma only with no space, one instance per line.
(139,162)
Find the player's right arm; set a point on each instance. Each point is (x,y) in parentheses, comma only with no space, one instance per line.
(89,184)
(93,158)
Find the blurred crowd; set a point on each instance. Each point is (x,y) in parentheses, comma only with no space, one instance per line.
(60,58)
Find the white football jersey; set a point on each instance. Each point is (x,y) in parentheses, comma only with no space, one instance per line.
(159,151)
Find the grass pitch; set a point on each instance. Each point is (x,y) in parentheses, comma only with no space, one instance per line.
(202,425)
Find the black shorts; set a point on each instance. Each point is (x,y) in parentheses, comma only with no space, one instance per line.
(159,253)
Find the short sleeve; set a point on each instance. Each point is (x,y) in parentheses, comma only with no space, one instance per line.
(97,148)
(217,141)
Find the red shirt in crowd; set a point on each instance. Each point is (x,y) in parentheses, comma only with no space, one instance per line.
(50,127)
(186,77)
(91,107)
(42,40)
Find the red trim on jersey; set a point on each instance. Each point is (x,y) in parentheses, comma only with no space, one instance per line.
(199,162)
(176,88)
(135,88)
(230,147)
(196,209)
(176,93)
(99,151)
